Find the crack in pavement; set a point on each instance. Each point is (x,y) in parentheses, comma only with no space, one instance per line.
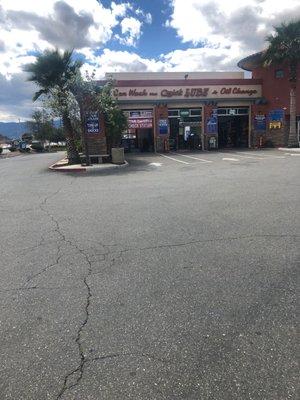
(118,253)
(37,288)
(26,250)
(241,237)
(85,360)
(58,257)
(80,368)
(67,383)
(74,377)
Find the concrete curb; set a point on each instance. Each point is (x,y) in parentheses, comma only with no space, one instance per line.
(62,166)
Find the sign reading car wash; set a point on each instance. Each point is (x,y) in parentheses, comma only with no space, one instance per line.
(184,92)
(140,123)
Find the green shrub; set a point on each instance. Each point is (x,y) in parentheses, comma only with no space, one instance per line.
(37,147)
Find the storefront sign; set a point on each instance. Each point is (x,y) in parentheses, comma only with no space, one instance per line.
(275,125)
(184,92)
(260,122)
(276,118)
(163,126)
(140,123)
(139,114)
(276,115)
(184,113)
(92,122)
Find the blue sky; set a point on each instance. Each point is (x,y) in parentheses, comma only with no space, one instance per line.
(156,38)
(130,35)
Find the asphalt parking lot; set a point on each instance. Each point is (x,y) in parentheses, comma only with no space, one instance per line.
(173,278)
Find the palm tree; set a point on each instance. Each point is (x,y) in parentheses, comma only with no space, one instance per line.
(284,48)
(55,72)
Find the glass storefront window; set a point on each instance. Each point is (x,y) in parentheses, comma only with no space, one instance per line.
(233,111)
(195,112)
(173,113)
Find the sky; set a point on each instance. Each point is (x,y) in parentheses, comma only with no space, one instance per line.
(133,35)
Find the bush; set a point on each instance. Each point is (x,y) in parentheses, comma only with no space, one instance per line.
(58,148)
(37,147)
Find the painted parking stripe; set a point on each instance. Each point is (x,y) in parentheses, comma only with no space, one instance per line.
(262,156)
(174,159)
(250,157)
(291,154)
(230,159)
(193,158)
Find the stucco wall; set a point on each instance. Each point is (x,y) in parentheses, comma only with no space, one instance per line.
(277,90)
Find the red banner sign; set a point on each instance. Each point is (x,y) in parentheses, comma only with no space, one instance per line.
(139,123)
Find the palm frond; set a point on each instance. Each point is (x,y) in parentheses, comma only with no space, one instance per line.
(39,94)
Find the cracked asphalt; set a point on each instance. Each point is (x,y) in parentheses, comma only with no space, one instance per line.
(164,280)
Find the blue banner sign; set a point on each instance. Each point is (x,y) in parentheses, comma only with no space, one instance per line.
(163,126)
(92,122)
(276,115)
(212,122)
(260,122)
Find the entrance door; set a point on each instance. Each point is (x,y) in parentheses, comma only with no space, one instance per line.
(145,139)
(233,131)
(174,133)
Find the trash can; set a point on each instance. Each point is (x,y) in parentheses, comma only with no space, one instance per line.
(117,155)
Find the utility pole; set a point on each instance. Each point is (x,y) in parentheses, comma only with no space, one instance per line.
(19,128)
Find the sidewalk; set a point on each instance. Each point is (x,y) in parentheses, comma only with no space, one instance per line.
(9,154)
(62,166)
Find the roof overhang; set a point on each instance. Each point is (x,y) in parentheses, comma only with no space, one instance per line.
(251,62)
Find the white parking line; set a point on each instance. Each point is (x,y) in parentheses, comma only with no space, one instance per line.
(174,159)
(230,159)
(242,156)
(193,158)
(262,156)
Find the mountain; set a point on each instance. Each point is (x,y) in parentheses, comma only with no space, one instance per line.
(15,130)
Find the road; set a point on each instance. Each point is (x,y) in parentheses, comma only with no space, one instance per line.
(173,278)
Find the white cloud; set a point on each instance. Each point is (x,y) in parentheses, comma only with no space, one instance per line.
(146,16)
(131,31)
(33,26)
(201,59)
(240,25)
(217,32)
(16,97)
(121,61)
